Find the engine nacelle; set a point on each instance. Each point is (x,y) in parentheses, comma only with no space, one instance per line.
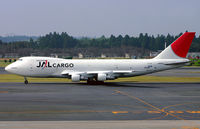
(75,77)
(101,77)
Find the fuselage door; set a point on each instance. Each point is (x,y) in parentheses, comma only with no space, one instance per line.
(31,65)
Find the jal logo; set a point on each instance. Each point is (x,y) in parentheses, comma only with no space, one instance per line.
(43,64)
(46,64)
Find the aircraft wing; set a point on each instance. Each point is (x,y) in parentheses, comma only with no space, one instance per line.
(100,75)
(66,72)
(104,75)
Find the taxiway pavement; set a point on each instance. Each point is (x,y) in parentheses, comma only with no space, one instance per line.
(111,101)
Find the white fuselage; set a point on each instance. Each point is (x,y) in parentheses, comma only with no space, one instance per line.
(113,68)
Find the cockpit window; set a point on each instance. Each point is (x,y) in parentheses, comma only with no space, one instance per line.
(19,60)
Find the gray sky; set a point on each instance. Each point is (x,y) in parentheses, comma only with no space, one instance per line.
(99,17)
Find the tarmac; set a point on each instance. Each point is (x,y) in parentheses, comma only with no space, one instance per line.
(2,71)
(110,105)
(111,101)
(180,72)
(142,124)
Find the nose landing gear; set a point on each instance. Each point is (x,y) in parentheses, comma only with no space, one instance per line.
(25,80)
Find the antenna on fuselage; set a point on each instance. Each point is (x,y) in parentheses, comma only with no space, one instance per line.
(165,44)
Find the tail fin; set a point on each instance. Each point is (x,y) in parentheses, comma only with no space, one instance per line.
(179,48)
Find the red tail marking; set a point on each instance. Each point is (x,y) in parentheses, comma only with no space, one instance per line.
(182,45)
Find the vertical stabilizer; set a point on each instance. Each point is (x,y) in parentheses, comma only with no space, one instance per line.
(179,48)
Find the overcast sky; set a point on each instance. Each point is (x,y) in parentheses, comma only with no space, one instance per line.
(99,17)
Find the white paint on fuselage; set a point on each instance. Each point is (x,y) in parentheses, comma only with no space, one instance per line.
(27,66)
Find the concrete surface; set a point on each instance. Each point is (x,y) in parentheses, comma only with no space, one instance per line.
(111,101)
(180,72)
(2,71)
(150,124)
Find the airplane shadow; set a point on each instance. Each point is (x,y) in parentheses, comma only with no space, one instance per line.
(106,84)
(124,84)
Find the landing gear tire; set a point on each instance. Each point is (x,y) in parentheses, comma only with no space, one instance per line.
(93,82)
(99,82)
(89,82)
(25,82)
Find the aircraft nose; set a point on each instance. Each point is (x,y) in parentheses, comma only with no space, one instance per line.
(11,68)
(7,68)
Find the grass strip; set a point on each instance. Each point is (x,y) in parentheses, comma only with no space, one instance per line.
(16,78)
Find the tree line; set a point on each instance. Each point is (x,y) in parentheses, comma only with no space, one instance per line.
(64,41)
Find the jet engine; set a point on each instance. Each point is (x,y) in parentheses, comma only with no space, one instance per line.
(75,77)
(101,77)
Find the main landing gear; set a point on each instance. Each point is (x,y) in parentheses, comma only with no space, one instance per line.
(25,80)
(91,81)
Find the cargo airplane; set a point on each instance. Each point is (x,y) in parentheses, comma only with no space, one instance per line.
(100,70)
